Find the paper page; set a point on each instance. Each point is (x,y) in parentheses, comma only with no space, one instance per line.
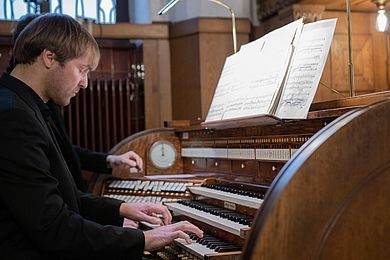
(226,81)
(277,39)
(306,69)
(284,36)
(253,46)
(259,79)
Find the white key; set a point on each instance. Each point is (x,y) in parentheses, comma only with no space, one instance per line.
(197,249)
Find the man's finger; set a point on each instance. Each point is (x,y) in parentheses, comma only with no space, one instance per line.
(153,220)
(187,226)
(181,234)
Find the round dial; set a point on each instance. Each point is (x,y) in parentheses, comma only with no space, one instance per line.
(162,154)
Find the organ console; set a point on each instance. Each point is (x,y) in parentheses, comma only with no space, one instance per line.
(299,189)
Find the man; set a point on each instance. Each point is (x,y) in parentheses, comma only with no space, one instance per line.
(42,214)
(77,158)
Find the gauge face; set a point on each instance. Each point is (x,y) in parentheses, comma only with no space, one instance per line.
(162,154)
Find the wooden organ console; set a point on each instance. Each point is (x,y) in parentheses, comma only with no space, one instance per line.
(301,189)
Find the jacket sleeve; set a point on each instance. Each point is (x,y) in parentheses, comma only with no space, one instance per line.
(92,161)
(30,194)
(100,209)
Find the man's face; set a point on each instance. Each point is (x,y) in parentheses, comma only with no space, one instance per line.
(65,80)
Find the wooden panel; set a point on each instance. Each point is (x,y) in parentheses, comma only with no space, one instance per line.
(164,81)
(130,31)
(185,77)
(194,164)
(363,64)
(208,25)
(151,80)
(217,165)
(350,102)
(245,167)
(268,171)
(158,106)
(369,61)
(199,48)
(113,31)
(6,27)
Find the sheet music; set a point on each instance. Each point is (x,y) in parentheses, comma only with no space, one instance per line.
(276,74)
(226,81)
(253,46)
(306,69)
(260,79)
(251,78)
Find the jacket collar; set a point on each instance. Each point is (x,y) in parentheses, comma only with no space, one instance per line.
(26,93)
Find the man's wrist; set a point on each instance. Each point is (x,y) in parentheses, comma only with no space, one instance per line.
(121,209)
(108,161)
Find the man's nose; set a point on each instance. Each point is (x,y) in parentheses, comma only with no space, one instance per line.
(84,82)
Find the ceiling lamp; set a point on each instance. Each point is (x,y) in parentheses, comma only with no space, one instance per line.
(382,22)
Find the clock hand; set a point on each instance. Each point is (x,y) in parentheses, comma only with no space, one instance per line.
(162,150)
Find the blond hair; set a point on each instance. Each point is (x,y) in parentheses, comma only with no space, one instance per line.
(59,33)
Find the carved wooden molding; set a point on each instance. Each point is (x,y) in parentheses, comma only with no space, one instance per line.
(269,8)
(310,13)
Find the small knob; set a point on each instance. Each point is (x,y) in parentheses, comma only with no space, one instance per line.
(273,168)
(242,165)
(216,164)
(193,162)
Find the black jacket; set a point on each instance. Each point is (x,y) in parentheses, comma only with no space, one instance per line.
(77,158)
(42,214)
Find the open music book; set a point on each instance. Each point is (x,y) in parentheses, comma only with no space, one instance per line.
(275,76)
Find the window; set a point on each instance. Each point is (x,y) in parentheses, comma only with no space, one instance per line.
(101,11)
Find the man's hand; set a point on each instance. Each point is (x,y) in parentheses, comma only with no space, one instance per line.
(126,160)
(128,223)
(162,236)
(148,212)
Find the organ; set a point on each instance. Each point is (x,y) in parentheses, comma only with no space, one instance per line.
(302,183)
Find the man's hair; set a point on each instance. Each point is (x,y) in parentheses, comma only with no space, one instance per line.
(21,24)
(59,33)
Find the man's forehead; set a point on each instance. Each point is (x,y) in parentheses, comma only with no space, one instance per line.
(87,61)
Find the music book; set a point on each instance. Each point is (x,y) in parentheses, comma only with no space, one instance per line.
(274,77)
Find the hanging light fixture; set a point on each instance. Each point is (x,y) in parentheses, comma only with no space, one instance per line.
(382,21)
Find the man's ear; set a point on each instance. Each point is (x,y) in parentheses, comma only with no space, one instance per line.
(48,58)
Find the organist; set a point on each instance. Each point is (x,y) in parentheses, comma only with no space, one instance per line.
(42,214)
(77,158)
